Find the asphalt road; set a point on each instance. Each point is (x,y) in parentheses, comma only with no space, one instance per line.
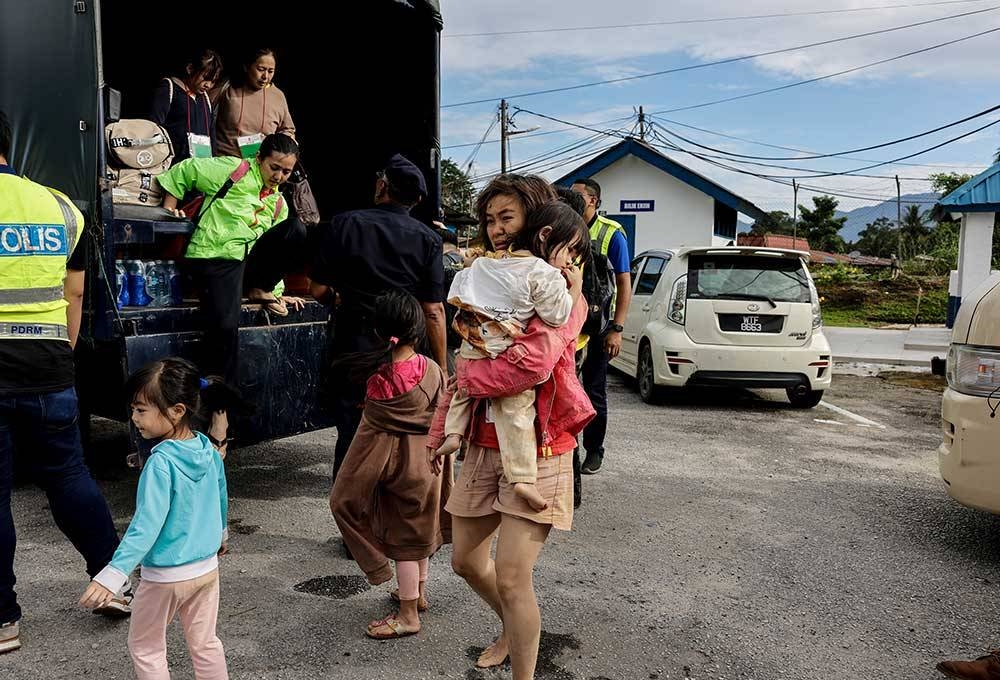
(728,536)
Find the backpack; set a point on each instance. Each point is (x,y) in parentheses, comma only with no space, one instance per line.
(134,187)
(598,288)
(139,144)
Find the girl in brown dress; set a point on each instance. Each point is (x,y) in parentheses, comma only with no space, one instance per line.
(387,501)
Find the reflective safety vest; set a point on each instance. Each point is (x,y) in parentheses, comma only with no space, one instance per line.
(39,228)
(601,232)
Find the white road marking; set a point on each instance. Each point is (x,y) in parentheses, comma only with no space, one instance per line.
(853,416)
(829,422)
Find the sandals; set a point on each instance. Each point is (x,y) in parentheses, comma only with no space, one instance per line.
(421,603)
(268,301)
(396,629)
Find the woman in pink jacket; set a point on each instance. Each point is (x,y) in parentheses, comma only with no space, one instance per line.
(483,502)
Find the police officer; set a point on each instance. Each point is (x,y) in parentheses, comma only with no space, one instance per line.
(610,242)
(41,298)
(363,253)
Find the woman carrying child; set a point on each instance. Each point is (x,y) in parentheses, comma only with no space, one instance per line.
(178,529)
(386,500)
(496,297)
(483,504)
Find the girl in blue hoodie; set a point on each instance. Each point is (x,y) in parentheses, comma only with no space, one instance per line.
(178,529)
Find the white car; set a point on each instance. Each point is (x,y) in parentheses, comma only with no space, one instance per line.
(725,317)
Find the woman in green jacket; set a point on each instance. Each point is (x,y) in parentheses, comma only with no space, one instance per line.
(228,224)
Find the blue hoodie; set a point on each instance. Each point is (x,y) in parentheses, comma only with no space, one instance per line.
(181,510)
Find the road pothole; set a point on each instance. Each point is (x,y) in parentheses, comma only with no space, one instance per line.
(336,587)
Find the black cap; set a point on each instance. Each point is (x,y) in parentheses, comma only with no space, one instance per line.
(405,178)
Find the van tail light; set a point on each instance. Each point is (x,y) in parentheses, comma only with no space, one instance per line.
(974,370)
(678,301)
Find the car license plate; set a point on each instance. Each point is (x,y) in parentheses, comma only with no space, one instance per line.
(751,324)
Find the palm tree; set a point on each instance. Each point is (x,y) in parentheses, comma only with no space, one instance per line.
(913,232)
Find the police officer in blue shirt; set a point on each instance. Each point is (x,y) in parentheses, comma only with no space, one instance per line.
(361,254)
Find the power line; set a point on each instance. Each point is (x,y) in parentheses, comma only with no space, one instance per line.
(539,134)
(803,151)
(815,173)
(841,153)
(566,122)
(666,144)
(829,75)
(682,22)
(730,60)
(857,171)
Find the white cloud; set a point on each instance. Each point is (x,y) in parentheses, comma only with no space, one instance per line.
(615,51)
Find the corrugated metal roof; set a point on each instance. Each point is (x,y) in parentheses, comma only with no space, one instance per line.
(979,194)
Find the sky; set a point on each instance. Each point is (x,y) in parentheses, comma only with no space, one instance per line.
(867,107)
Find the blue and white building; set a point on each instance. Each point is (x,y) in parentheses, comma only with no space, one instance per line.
(661,203)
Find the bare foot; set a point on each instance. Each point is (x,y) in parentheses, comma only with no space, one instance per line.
(495,654)
(451,444)
(529,494)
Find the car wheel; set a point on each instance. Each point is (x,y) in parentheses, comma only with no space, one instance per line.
(804,398)
(646,377)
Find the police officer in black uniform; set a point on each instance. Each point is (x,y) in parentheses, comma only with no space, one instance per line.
(361,254)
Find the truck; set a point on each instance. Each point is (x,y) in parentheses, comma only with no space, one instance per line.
(360,87)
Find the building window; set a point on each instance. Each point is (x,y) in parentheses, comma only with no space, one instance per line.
(725,222)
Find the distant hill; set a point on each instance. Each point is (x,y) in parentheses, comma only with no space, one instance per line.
(859,218)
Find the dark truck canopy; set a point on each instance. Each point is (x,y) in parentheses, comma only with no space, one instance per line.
(359,89)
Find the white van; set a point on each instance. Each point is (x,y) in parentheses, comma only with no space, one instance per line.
(969,456)
(725,317)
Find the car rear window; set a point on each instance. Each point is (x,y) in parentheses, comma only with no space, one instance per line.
(747,277)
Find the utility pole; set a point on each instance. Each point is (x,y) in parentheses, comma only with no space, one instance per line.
(503,136)
(795,214)
(899,223)
(642,125)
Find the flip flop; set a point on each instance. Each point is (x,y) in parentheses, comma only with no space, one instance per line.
(421,603)
(273,305)
(393,625)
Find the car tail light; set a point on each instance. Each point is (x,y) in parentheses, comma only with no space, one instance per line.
(817,313)
(974,370)
(678,301)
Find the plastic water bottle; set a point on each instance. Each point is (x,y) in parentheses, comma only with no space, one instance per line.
(121,285)
(157,283)
(136,273)
(175,283)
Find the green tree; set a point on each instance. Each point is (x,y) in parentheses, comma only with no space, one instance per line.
(821,226)
(775,222)
(457,191)
(878,238)
(946,182)
(914,232)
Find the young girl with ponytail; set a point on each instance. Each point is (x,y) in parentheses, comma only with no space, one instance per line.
(387,501)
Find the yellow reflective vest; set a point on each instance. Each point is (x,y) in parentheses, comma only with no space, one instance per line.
(39,229)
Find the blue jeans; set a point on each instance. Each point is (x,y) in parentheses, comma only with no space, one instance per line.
(44,430)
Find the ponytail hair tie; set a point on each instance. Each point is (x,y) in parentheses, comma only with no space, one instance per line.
(393,340)
(203,383)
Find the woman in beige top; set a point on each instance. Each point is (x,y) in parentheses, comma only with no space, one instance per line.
(250,111)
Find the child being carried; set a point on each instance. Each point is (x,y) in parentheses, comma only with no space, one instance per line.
(496,297)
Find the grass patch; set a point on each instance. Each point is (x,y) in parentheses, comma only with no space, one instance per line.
(920,381)
(877,302)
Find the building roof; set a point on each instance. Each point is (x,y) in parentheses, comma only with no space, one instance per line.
(639,149)
(979,194)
